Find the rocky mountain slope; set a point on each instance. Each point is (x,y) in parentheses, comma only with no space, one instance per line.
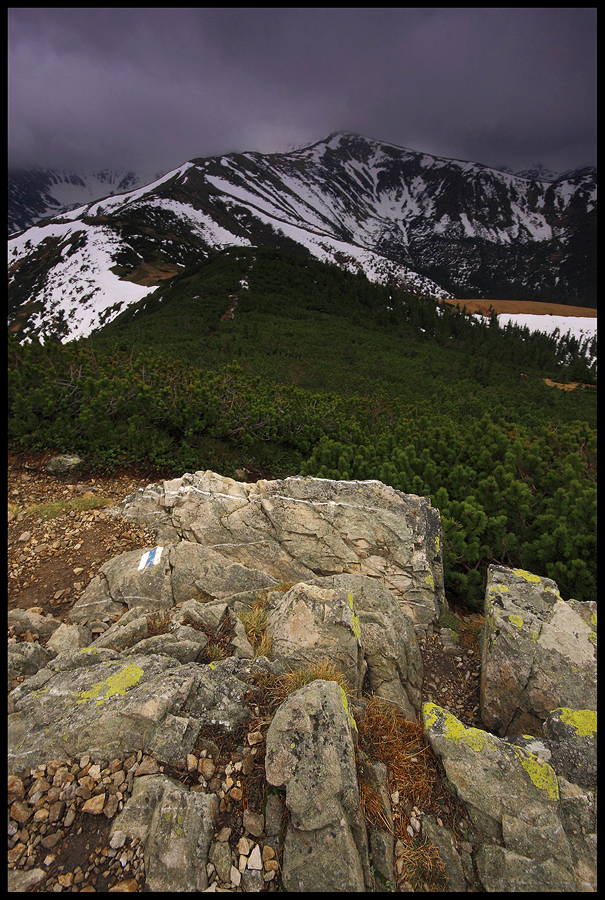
(436,226)
(35,194)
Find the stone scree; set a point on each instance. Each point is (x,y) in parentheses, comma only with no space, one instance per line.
(353,572)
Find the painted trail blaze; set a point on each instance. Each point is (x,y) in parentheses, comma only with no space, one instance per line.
(150,558)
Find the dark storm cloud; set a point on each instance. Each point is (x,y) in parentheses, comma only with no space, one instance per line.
(151,88)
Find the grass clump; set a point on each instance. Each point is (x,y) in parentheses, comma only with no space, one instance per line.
(386,736)
(272,690)
(54,508)
(421,866)
(254,620)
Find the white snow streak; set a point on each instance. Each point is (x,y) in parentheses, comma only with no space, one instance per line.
(581,327)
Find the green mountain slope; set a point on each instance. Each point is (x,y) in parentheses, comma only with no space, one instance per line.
(298,321)
(271,361)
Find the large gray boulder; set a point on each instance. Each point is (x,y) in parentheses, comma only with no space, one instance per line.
(311,753)
(296,529)
(311,624)
(388,641)
(514,800)
(109,705)
(108,710)
(538,652)
(157,578)
(175,827)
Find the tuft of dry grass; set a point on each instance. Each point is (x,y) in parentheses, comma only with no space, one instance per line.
(254,620)
(158,623)
(372,803)
(272,690)
(388,737)
(219,642)
(419,864)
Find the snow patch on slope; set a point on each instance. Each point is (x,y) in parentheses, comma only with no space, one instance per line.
(83,292)
(581,327)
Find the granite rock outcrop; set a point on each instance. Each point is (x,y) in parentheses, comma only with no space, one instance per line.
(348,572)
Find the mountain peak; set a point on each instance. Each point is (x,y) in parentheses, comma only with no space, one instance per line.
(433,226)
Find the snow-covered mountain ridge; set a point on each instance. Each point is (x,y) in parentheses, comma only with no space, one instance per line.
(35,194)
(436,226)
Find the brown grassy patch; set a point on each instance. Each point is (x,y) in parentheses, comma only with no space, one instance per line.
(372,803)
(149,274)
(272,690)
(567,387)
(219,641)
(529,307)
(385,735)
(158,623)
(420,865)
(254,620)
(389,738)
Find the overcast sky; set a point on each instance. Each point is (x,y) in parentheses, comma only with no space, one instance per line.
(150,88)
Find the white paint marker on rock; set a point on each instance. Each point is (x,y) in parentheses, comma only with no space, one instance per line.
(150,558)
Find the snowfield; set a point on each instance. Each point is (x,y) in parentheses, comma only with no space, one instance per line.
(581,327)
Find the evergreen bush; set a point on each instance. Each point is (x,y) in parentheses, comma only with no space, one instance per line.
(337,378)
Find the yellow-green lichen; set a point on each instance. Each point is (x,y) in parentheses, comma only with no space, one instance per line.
(430,580)
(349,714)
(40,691)
(583,720)
(541,773)
(454,729)
(355,619)
(437,544)
(516,620)
(499,589)
(593,619)
(113,684)
(528,576)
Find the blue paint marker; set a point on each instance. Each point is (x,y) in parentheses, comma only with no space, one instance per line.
(150,558)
